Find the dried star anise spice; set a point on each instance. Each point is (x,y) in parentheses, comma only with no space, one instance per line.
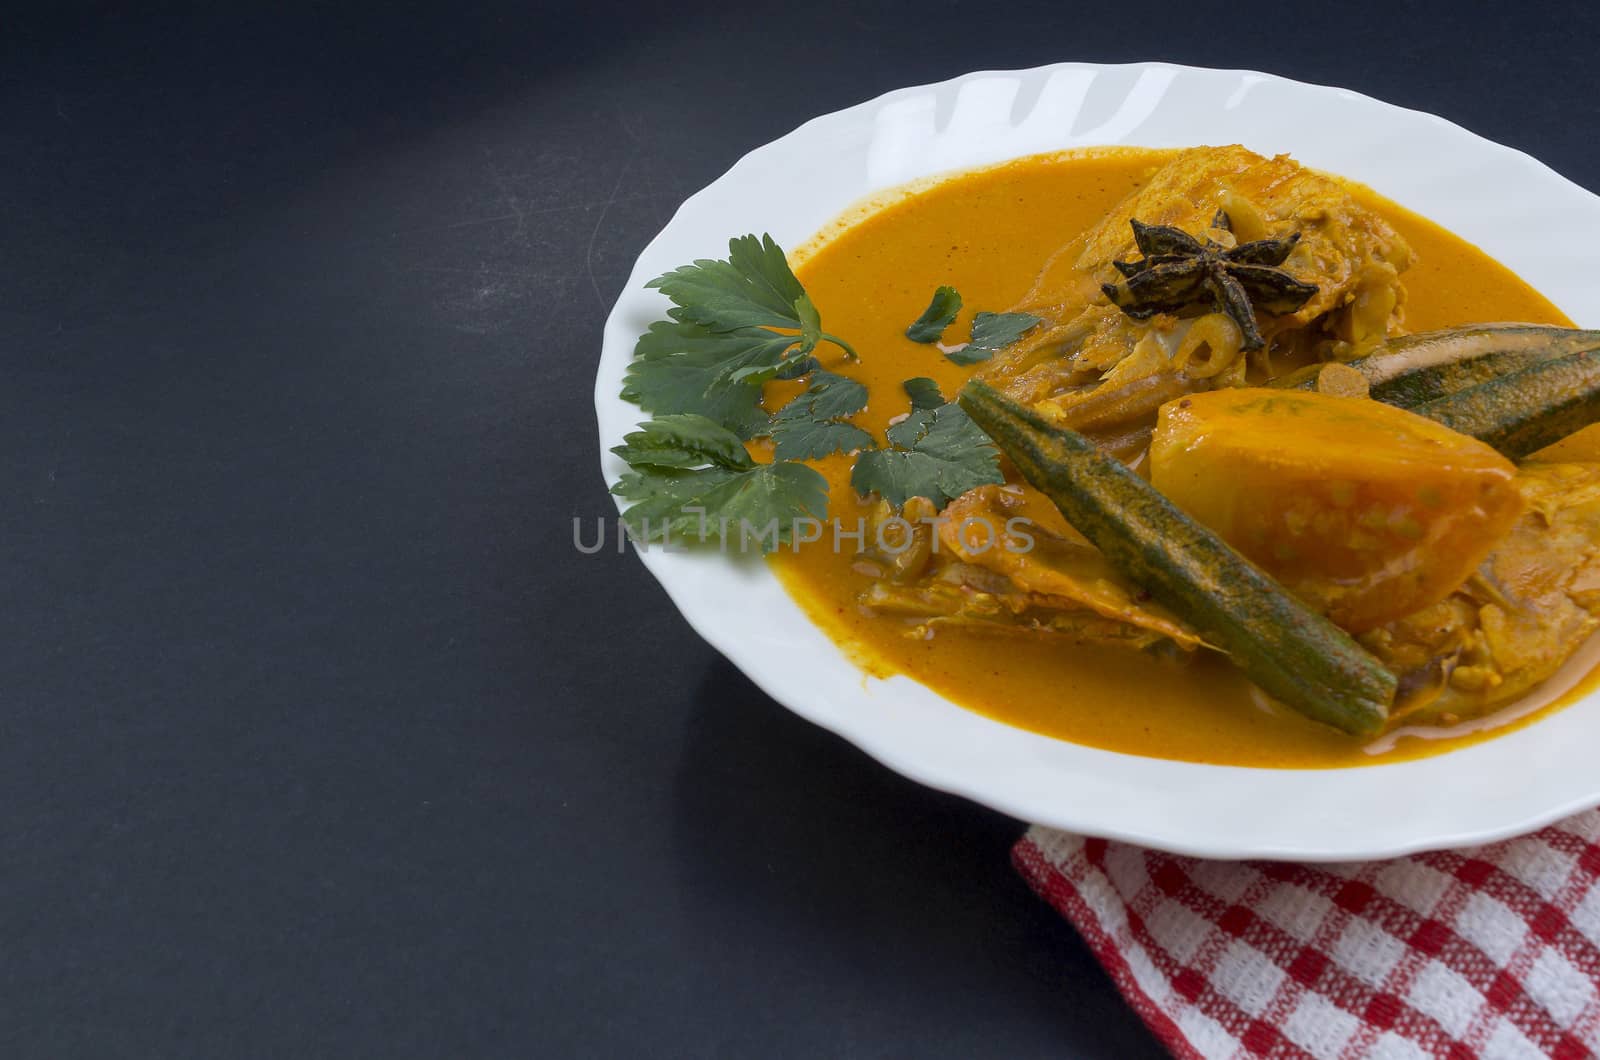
(1178,271)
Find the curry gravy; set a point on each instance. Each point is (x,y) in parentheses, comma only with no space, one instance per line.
(986,233)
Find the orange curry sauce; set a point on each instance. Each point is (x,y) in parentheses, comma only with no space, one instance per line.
(986,233)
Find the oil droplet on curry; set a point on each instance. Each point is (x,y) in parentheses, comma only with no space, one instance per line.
(988,233)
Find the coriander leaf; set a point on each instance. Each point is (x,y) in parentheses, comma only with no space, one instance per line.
(934,319)
(679,367)
(811,425)
(684,441)
(992,332)
(924,393)
(936,453)
(757,505)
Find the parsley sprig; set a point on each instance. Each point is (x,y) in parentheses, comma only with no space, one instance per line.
(936,452)
(814,424)
(692,478)
(735,325)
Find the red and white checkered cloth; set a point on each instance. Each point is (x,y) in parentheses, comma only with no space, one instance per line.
(1490,951)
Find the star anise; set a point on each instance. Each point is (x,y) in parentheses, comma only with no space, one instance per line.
(1178,271)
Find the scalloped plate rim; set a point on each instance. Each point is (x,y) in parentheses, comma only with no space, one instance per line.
(748,655)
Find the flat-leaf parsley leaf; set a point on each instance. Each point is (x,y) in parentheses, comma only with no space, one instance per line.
(719,346)
(924,393)
(992,332)
(693,478)
(934,319)
(683,441)
(812,425)
(935,453)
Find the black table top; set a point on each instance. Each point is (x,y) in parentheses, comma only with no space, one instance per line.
(319,738)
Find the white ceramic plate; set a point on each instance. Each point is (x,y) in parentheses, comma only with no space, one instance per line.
(1509,204)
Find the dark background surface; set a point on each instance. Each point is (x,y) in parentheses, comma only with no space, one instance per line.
(316,737)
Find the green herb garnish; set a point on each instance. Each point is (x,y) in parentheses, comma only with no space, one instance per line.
(937,453)
(720,346)
(934,319)
(736,325)
(992,332)
(692,478)
(812,425)
(924,393)
(685,368)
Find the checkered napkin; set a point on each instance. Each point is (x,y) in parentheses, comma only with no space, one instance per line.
(1489,951)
